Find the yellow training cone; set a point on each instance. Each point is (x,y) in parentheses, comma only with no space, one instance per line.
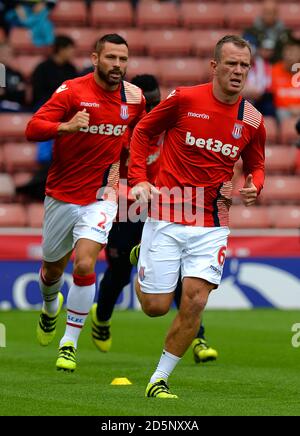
(121,381)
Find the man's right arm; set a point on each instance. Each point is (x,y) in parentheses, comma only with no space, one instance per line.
(161,118)
(47,123)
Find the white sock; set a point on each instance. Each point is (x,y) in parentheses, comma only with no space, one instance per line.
(79,303)
(50,293)
(166,365)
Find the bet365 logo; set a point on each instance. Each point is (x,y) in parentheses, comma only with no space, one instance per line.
(296,336)
(2,336)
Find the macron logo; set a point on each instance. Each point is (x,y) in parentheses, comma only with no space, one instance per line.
(86,104)
(195,115)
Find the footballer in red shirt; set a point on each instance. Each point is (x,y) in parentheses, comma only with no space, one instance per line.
(207,128)
(87,117)
(125,234)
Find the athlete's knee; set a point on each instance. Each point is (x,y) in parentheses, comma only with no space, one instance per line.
(51,272)
(154,308)
(84,266)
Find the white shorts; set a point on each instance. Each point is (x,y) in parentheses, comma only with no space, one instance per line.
(65,223)
(168,248)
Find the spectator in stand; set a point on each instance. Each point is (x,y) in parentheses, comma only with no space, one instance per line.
(285,91)
(12,96)
(5,5)
(34,190)
(269,26)
(258,86)
(33,15)
(51,73)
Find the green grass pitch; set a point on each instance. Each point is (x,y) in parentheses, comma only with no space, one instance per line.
(257,372)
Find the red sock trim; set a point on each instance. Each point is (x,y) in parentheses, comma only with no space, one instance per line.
(78,313)
(75,325)
(87,280)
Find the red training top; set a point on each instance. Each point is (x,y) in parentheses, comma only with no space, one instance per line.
(204,138)
(86,160)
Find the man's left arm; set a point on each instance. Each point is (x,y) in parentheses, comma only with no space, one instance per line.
(253,157)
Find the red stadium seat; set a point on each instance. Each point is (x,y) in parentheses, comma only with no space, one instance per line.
(298,161)
(241,217)
(288,133)
(84,38)
(271,130)
(12,126)
(7,187)
(286,217)
(20,157)
(289,13)
(167,42)
(115,14)
(135,39)
(202,15)
(281,159)
(203,41)
(12,215)
(281,189)
(21,178)
(141,65)
(184,71)
(21,42)
(35,215)
(241,15)
(1,159)
(27,64)
(157,15)
(69,13)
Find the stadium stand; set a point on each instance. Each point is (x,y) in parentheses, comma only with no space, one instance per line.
(173,41)
(12,126)
(187,71)
(115,14)
(281,159)
(167,42)
(69,13)
(286,217)
(253,217)
(157,15)
(21,42)
(201,15)
(35,215)
(241,15)
(12,215)
(290,13)
(288,134)
(7,187)
(138,65)
(19,157)
(281,189)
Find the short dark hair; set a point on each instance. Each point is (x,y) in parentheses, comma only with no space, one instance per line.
(147,82)
(114,38)
(61,42)
(234,39)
